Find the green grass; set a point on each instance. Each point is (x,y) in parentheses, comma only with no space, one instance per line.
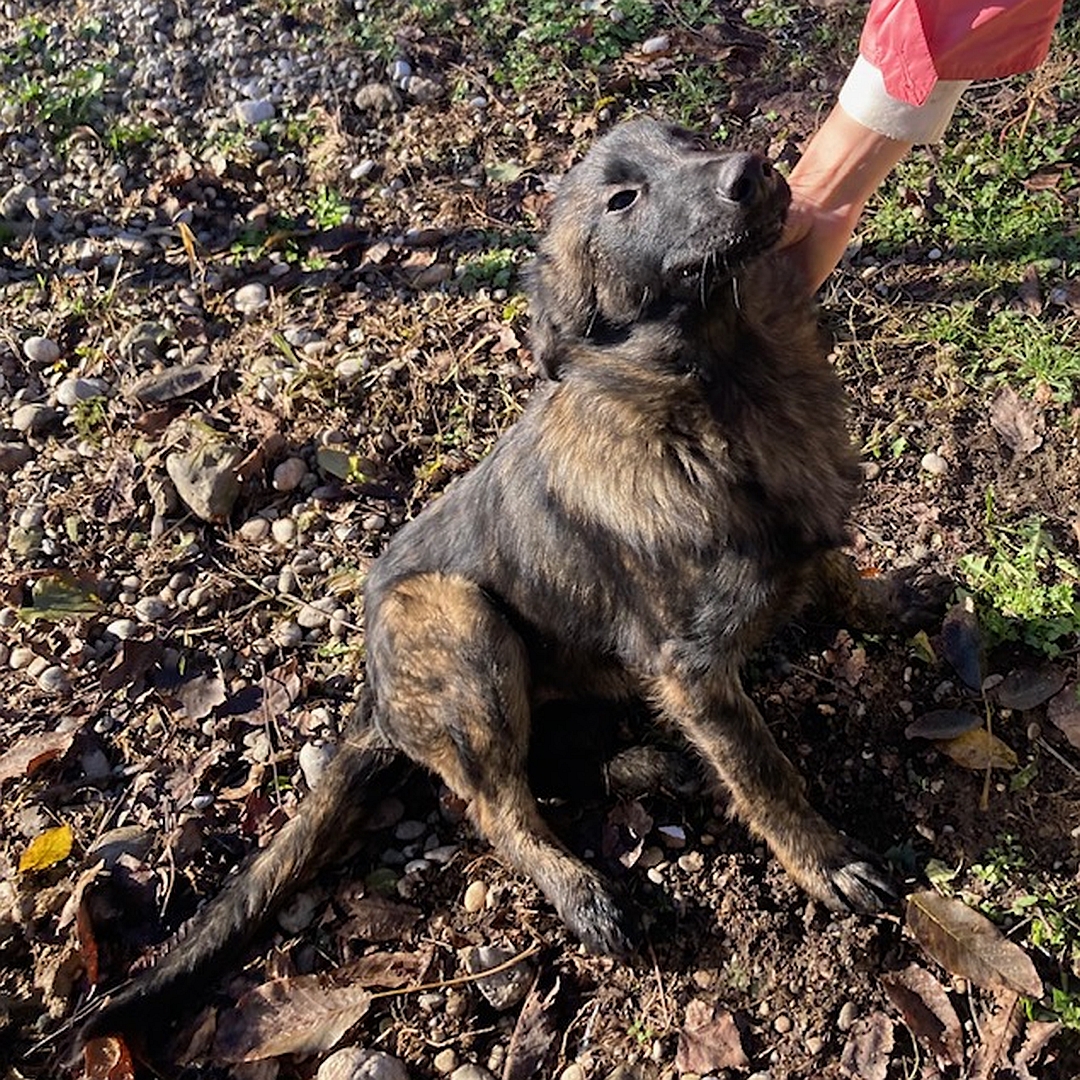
(1026,590)
(1007,346)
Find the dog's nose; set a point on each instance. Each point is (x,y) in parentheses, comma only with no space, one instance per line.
(744,178)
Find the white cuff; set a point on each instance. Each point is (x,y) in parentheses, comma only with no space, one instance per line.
(864,98)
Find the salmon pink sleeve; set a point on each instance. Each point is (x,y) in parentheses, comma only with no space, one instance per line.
(917,56)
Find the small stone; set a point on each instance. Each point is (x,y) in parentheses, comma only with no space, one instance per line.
(251,297)
(849,1013)
(659,44)
(316,615)
(13,201)
(34,418)
(314,760)
(355,1063)
(123,629)
(254,112)
(782,1024)
(22,656)
(377,98)
(445,1061)
(400,70)
(206,479)
(471,1072)
(71,391)
(289,474)
(54,680)
(41,350)
(283,530)
(130,840)
(151,609)
(409,830)
(573,1071)
(815,1044)
(935,464)
(288,634)
(255,529)
(475,897)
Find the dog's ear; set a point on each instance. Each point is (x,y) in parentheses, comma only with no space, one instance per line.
(562,292)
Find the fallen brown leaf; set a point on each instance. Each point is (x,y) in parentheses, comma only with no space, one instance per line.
(377,918)
(1064,712)
(927,1011)
(961,643)
(32,751)
(966,943)
(534,1033)
(304,1015)
(1018,421)
(997,1032)
(978,750)
(868,1047)
(709,1040)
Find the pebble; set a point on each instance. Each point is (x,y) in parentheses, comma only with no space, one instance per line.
(314,759)
(692,862)
(935,464)
(122,629)
(13,201)
(317,614)
(815,1044)
(255,529)
(41,350)
(409,830)
(283,530)
(355,1063)
(251,297)
(299,912)
(475,897)
(445,1061)
(255,112)
(849,1013)
(573,1071)
(782,1024)
(289,474)
(288,634)
(34,418)
(14,456)
(54,680)
(471,1072)
(73,390)
(654,45)
(22,656)
(151,609)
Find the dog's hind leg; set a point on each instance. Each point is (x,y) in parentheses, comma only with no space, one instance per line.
(726,728)
(451,682)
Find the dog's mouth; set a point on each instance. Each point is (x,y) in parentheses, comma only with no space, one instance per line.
(725,259)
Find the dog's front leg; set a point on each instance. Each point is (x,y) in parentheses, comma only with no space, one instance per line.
(726,728)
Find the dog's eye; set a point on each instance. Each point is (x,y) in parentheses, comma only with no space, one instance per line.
(621,200)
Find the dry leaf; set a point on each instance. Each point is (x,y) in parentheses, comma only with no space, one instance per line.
(376,918)
(997,1032)
(33,751)
(1064,712)
(534,1033)
(132,662)
(1027,689)
(57,597)
(108,1058)
(942,724)
(927,1011)
(961,643)
(1030,291)
(709,1040)
(51,847)
(866,1053)
(969,944)
(305,1015)
(1020,423)
(978,750)
(201,695)
(387,970)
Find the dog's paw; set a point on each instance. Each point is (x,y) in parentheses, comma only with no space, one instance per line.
(600,921)
(919,598)
(842,873)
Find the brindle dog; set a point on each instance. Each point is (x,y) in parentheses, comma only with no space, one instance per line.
(677,486)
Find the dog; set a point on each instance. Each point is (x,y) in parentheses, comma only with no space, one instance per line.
(677,487)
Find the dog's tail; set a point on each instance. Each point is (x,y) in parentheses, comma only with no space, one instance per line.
(365,768)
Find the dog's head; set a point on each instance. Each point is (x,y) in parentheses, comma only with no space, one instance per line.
(651,216)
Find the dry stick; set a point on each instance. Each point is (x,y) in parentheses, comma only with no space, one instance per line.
(460,980)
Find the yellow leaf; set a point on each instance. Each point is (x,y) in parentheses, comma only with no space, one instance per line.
(47,850)
(979,749)
(187,238)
